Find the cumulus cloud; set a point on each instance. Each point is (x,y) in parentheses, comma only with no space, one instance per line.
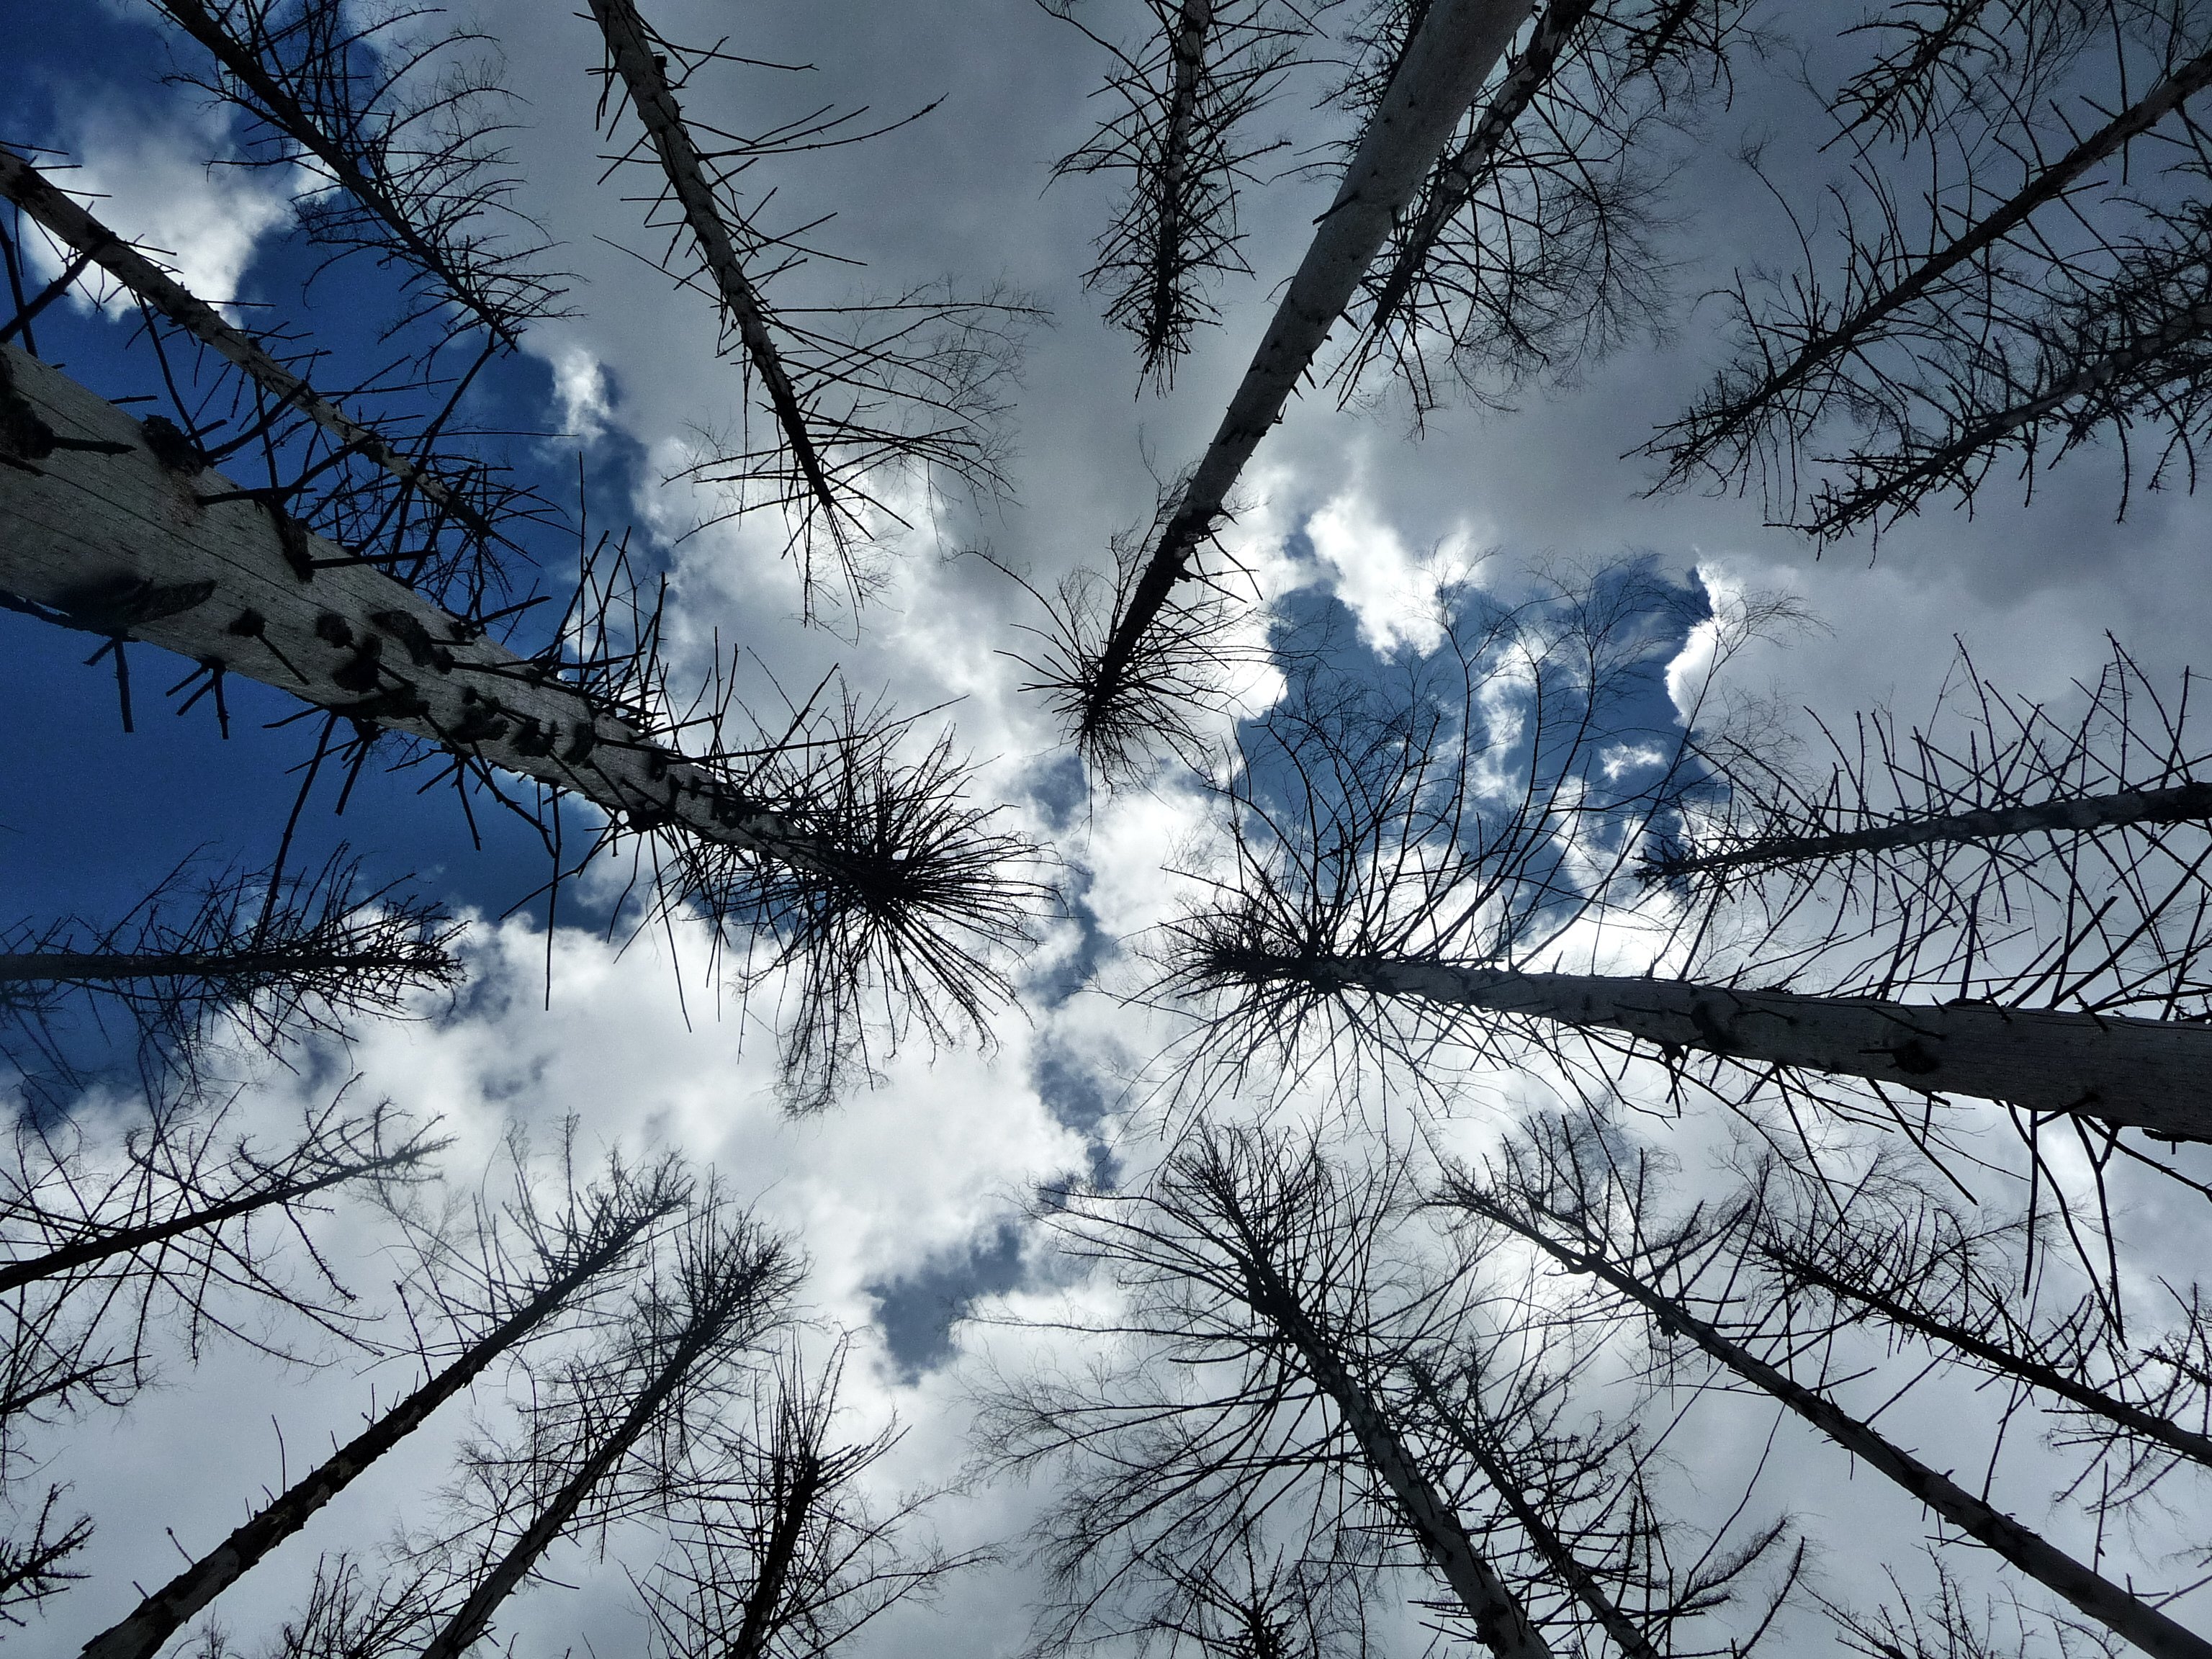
(1395,593)
(146,172)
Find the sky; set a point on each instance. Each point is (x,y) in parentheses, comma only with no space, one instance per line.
(911,1198)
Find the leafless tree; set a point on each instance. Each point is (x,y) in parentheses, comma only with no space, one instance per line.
(404,122)
(523,1270)
(1537,243)
(1443,66)
(1592,1207)
(1180,103)
(855,393)
(775,1553)
(276,961)
(886,878)
(2046,289)
(1315,1434)
(610,1432)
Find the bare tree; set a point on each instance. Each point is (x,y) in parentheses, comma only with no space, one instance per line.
(608,1432)
(408,121)
(1565,1190)
(276,958)
(1255,1260)
(1089,678)
(1179,104)
(853,391)
(531,1269)
(775,1552)
(1998,318)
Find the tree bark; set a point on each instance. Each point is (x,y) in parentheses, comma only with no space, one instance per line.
(2178,805)
(23,184)
(2155,1075)
(77,967)
(1499,1620)
(1578,1579)
(2127,1615)
(1452,53)
(159,1615)
(654,101)
(119,544)
(1458,178)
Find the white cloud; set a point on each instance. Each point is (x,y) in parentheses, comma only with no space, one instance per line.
(149,182)
(1395,593)
(579,381)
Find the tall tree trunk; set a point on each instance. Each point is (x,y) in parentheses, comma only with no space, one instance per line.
(1499,1620)
(1458,43)
(2180,804)
(1578,1579)
(2127,1615)
(2155,1075)
(96,533)
(161,1614)
(1724,418)
(726,1292)
(1457,180)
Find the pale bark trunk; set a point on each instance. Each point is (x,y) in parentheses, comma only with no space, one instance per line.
(22,184)
(1499,1620)
(119,545)
(1475,157)
(2155,1075)
(2127,1615)
(663,120)
(159,1615)
(1456,46)
(1578,1579)
(2178,805)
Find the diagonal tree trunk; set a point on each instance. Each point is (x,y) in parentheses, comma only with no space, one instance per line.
(2112,1606)
(1578,1579)
(97,533)
(1499,1620)
(2155,1075)
(741,1282)
(2177,805)
(1457,180)
(1794,1265)
(158,1617)
(23,185)
(630,46)
(1450,57)
(1726,417)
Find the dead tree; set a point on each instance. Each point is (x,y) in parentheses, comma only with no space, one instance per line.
(1375,893)
(407,124)
(610,1430)
(855,393)
(503,1303)
(1535,245)
(276,958)
(1987,323)
(1180,102)
(1087,672)
(1272,1276)
(1566,1192)
(775,1553)
(875,853)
